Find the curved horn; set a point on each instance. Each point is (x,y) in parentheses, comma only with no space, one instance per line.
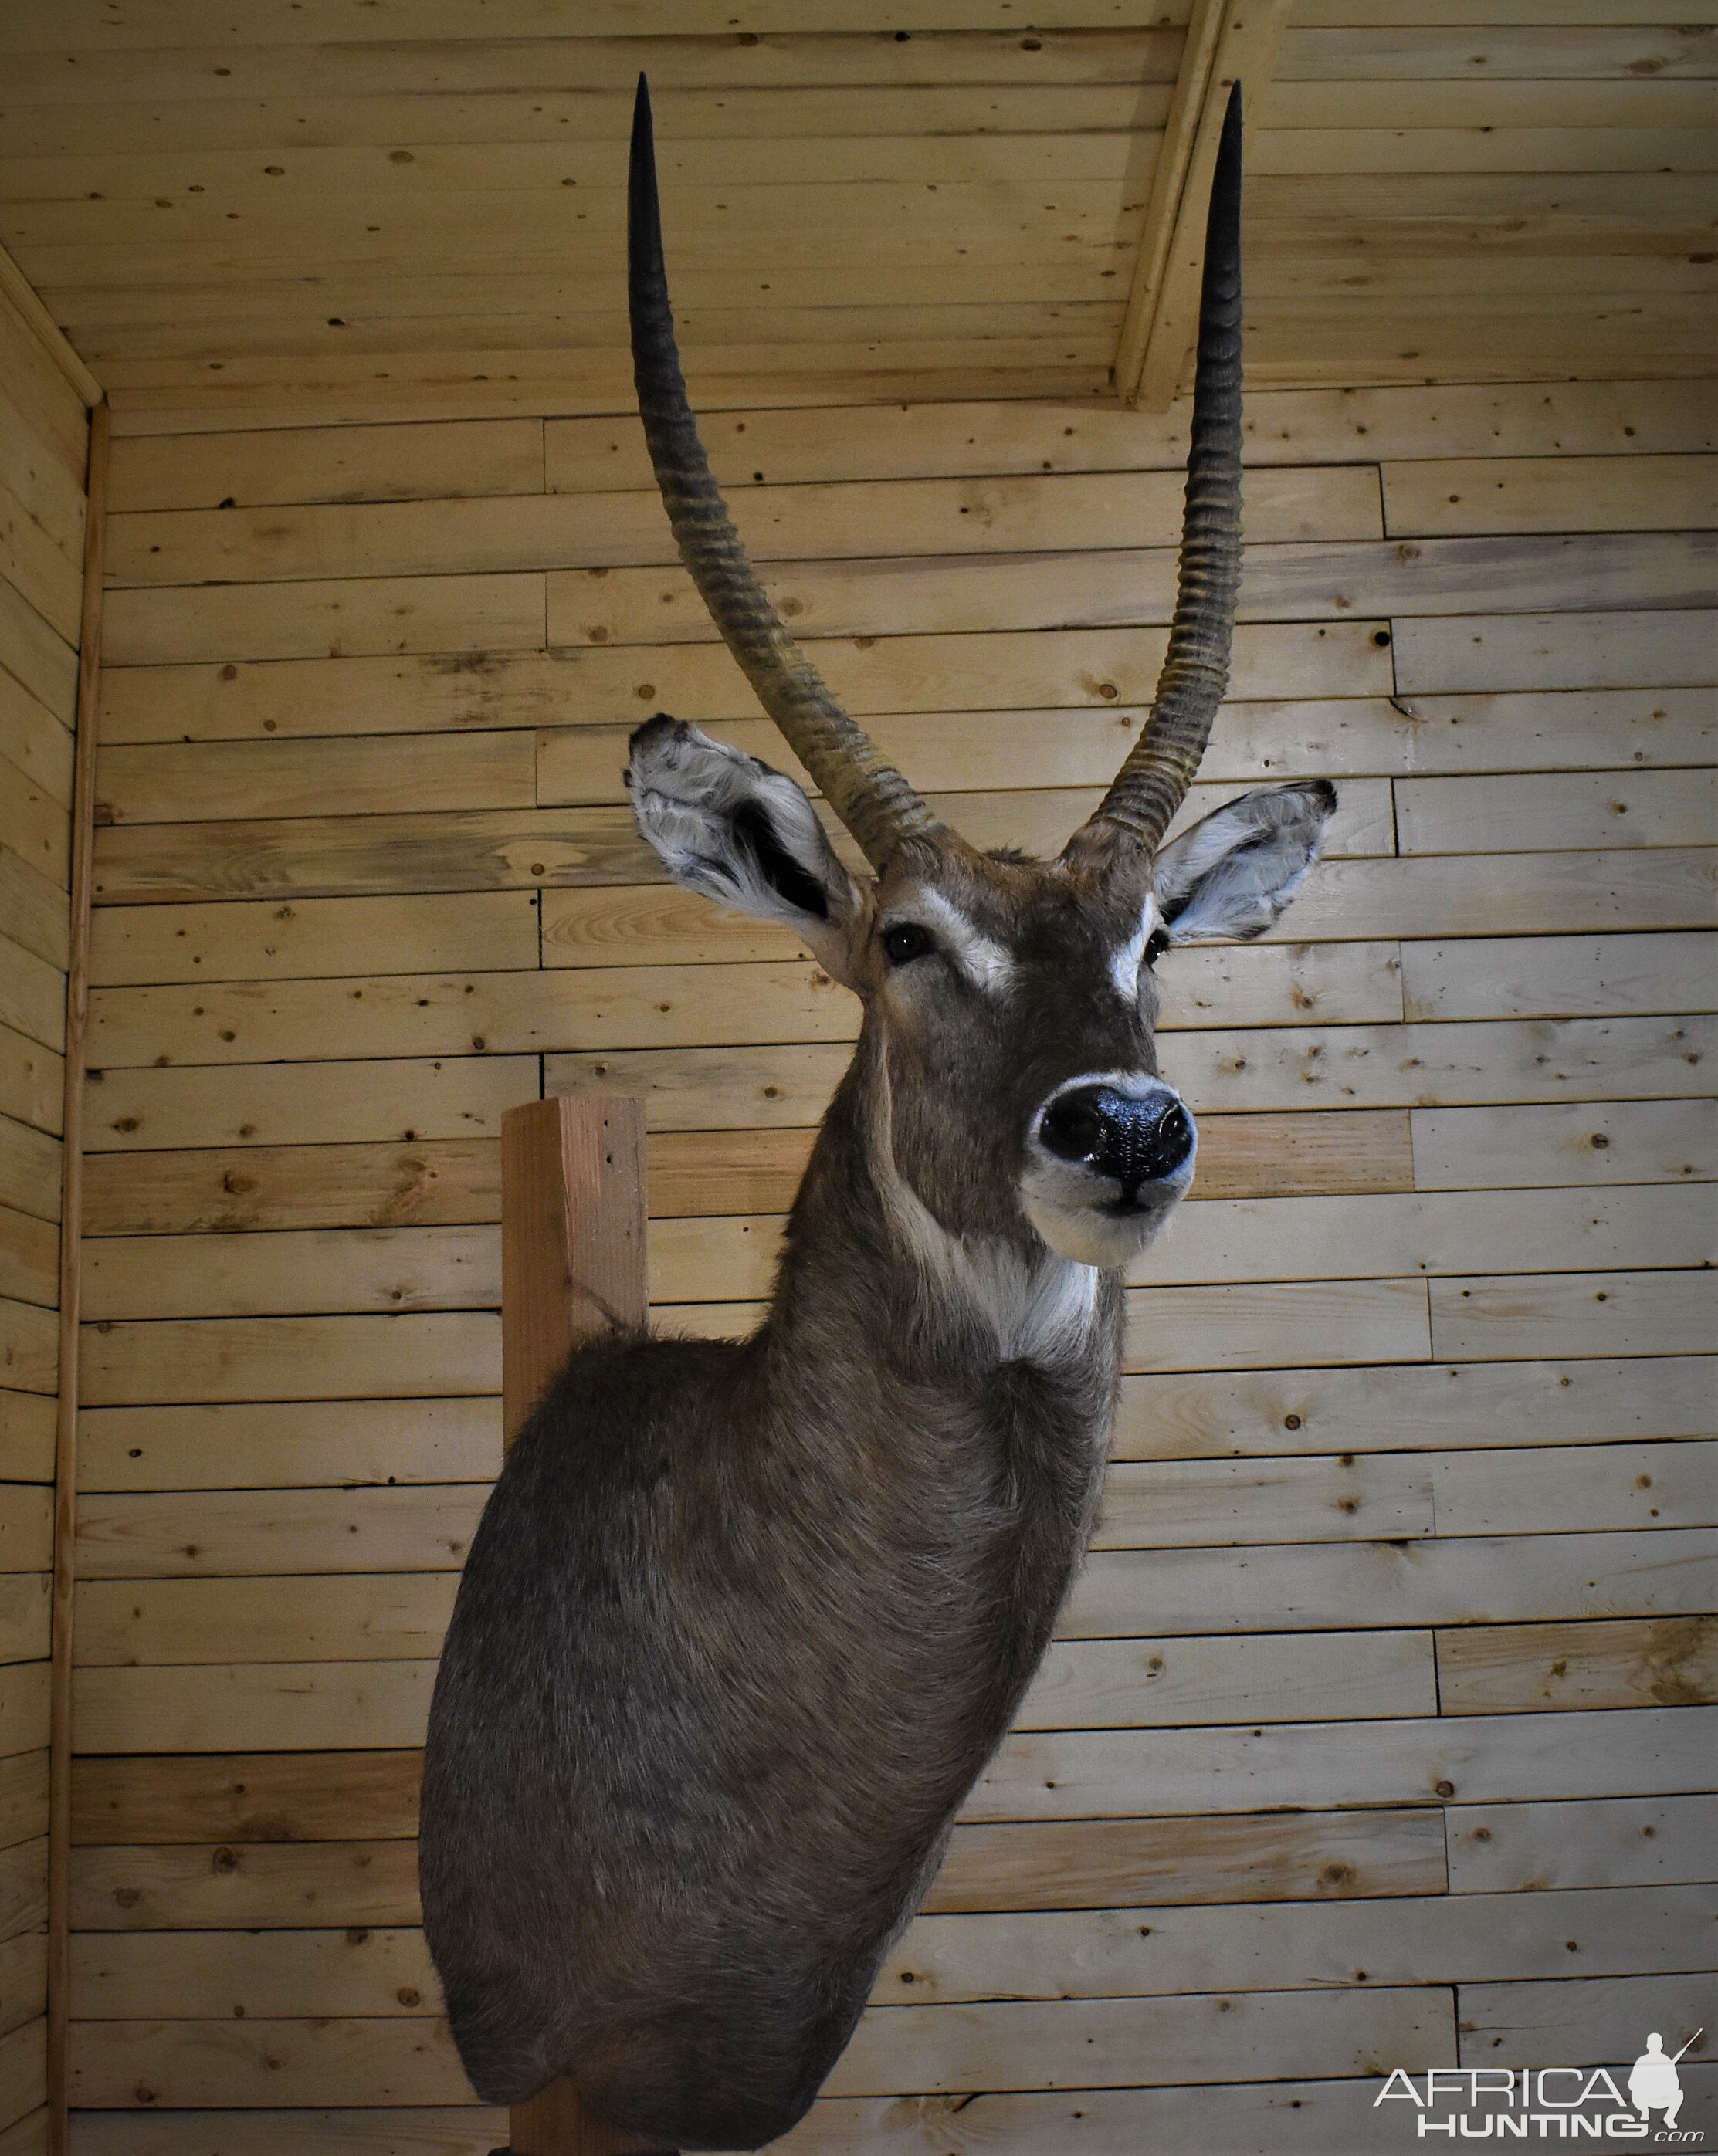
(866,791)
(1160,766)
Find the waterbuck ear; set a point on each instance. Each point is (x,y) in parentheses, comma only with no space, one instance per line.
(726,825)
(1231,875)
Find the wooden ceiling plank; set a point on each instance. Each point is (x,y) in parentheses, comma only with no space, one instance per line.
(1539,300)
(258,125)
(599,380)
(304,342)
(1438,15)
(262,177)
(235,73)
(1289,344)
(83,26)
(355,299)
(1574,277)
(1633,101)
(1430,213)
(742,221)
(1169,180)
(560,116)
(1484,149)
(259,230)
(1497,234)
(1644,197)
(1343,369)
(17,292)
(565,117)
(182,410)
(1540,50)
(1163,311)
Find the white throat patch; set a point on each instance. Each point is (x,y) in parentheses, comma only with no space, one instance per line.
(1037,1310)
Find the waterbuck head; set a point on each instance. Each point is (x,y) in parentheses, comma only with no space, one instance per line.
(1006,1061)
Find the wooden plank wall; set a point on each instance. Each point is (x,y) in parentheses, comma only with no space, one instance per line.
(232,210)
(1396,1611)
(44,431)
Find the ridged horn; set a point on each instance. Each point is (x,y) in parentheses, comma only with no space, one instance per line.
(865,790)
(1160,766)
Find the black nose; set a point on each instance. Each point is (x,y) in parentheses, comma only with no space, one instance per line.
(1135,1140)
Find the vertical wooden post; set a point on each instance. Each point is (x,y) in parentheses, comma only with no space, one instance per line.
(573,1236)
(572,1264)
(1227,41)
(71,1223)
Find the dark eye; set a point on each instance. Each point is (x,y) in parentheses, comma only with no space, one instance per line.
(906,941)
(1156,945)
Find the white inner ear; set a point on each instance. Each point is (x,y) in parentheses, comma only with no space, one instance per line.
(687,791)
(1231,875)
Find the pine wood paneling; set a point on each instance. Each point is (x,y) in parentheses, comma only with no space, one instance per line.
(407,213)
(1311,580)
(1282,426)
(330,463)
(1514,1669)
(1489,1758)
(1410,1520)
(191,694)
(1512,2023)
(442,2130)
(695,1172)
(1414,1408)
(1521,651)
(1347,1066)
(1504,977)
(1635,1141)
(648,1007)
(701,1260)
(32,1093)
(44,435)
(402,1099)
(1532,1848)
(528,533)
(1551,494)
(1438,1580)
(169,1800)
(285,1444)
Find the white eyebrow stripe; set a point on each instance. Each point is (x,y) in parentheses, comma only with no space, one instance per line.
(989,966)
(1124,964)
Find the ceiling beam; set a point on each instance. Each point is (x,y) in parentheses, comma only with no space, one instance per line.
(1227,41)
(17,288)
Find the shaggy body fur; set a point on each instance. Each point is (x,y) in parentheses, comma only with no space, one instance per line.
(744,1622)
(740,1628)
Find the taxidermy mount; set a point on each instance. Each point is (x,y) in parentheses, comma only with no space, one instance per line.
(745,1620)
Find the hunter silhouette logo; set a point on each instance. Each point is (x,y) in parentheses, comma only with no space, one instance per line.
(1545,2103)
(1654,2082)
